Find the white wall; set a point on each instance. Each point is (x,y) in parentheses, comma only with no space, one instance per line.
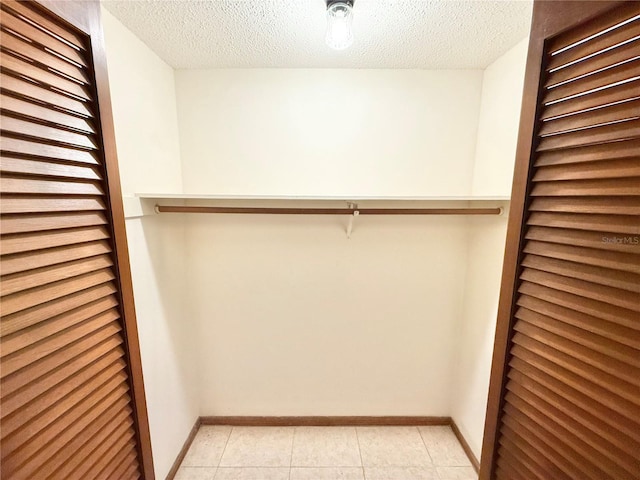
(293,318)
(328,132)
(143,100)
(476,332)
(495,157)
(502,85)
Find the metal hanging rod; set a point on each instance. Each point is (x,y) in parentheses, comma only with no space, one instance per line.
(329,211)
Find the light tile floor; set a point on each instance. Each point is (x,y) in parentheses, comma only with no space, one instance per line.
(325,453)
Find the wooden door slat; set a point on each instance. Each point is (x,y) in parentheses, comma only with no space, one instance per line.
(515,466)
(26,300)
(579,423)
(14,343)
(16,204)
(627,149)
(624,262)
(593,341)
(20,243)
(117,465)
(47,421)
(572,436)
(609,169)
(609,94)
(597,275)
(601,45)
(42,276)
(625,129)
(615,74)
(35,53)
(47,169)
(50,403)
(31,71)
(18,25)
(623,110)
(620,370)
(627,337)
(61,365)
(11,184)
(595,240)
(103,434)
(626,225)
(33,92)
(609,295)
(613,17)
(29,15)
(38,369)
(595,308)
(10,324)
(109,412)
(606,206)
(133,471)
(528,459)
(551,439)
(615,57)
(77,419)
(523,372)
(15,147)
(21,262)
(17,224)
(503,473)
(584,370)
(57,391)
(533,449)
(32,111)
(45,133)
(546,445)
(103,466)
(20,359)
(578,378)
(18,184)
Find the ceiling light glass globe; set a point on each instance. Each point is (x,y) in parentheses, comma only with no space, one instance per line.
(339,23)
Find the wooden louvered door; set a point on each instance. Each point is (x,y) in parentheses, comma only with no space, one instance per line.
(72,401)
(564,400)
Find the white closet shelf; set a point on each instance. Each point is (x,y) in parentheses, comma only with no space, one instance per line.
(152,203)
(332,198)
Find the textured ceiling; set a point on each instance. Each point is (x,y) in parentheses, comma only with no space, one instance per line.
(428,34)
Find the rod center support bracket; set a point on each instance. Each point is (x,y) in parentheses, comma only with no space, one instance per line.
(356,213)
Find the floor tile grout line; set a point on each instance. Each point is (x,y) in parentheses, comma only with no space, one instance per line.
(427,449)
(293,441)
(360,453)
(223,450)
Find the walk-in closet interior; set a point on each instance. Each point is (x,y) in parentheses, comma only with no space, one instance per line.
(209,215)
(275,315)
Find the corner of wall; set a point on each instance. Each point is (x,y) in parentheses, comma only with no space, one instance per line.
(144,110)
(493,170)
(146,127)
(498,122)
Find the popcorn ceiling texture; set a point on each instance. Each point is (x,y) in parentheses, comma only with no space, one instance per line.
(425,34)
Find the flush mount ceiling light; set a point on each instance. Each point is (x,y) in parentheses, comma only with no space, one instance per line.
(339,21)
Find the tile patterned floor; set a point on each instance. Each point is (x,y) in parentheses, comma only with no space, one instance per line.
(325,453)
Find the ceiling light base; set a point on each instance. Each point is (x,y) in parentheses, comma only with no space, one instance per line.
(348,2)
